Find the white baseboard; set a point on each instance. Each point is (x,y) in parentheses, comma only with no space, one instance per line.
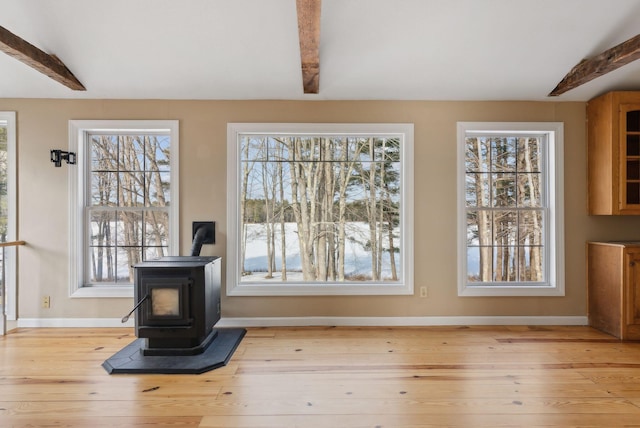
(325,321)
(73,322)
(400,321)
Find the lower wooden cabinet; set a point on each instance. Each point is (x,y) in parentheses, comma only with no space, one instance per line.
(613,278)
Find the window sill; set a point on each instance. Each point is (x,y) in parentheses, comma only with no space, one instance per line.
(320,290)
(103,292)
(510,291)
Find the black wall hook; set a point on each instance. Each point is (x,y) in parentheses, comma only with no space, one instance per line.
(57,156)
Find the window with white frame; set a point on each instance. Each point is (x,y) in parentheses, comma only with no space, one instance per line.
(8,208)
(125,201)
(510,209)
(320,209)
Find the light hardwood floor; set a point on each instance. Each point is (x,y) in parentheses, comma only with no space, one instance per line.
(332,377)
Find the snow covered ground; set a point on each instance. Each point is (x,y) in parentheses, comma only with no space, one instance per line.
(357,258)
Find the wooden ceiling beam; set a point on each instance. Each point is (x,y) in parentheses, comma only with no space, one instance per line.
(607,61)
(47,64)
(309,35)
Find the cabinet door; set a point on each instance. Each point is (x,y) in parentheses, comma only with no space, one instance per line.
(629,157)
(632,296)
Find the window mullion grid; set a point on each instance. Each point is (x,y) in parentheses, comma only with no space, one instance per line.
(533,206)
(114,139)
(304,149)
(90,248)
(517,209)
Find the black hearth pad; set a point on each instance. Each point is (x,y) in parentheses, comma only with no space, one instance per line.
(130,360)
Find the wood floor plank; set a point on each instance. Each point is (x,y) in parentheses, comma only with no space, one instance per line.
(310,404)
(568,420)
(93,422)
(424,390)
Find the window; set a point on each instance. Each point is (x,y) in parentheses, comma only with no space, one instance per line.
(320,209)
(125,201)
(8,210)
(510,212)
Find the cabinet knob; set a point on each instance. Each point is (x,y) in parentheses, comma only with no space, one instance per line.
(632,264)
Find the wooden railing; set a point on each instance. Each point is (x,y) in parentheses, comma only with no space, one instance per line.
(3,289)
(12,243)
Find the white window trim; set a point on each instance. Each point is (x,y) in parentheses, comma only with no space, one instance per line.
(554,182)
(77,190)
(404,287)
(11,252)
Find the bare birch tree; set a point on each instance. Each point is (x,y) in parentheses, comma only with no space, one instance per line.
(505,207)
(308,179)
(281,148)
(129,189)
(530,195)
(247,166)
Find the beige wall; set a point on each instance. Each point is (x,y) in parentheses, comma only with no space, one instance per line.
(43,200)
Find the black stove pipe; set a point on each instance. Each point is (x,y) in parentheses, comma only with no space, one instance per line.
(198,239)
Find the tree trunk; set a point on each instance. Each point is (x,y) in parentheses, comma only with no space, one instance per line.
(246,171)
(301,211)
(328,219)
(283,231)
(484,220)
(268,223)
(372,213)
(392,248)
(535,233)
(159,226)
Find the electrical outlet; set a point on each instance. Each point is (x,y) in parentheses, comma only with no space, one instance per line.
(46,302)
(423,291)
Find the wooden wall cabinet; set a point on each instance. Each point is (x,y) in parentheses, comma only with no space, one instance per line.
(613,278)
(613,133)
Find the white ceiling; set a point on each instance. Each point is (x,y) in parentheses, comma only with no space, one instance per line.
(369,49)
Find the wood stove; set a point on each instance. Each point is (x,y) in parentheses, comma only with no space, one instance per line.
(179,303)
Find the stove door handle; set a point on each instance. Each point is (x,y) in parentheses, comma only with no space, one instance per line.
(126,317)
